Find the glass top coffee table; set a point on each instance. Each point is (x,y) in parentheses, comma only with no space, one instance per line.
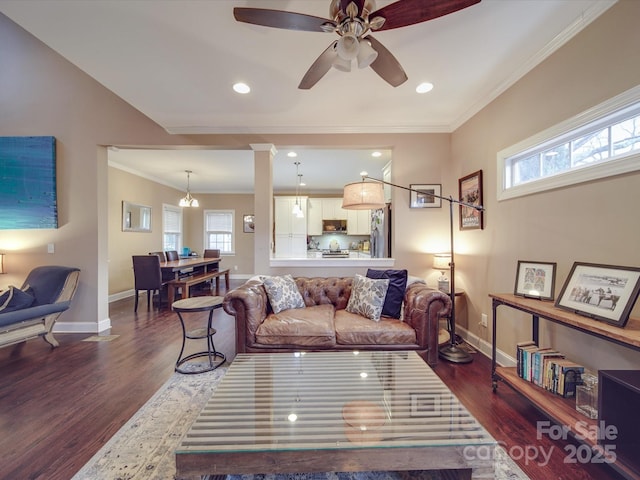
(334,411)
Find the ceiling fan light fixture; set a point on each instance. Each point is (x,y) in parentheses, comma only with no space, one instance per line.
(366,54)
(341,64)
(348,46)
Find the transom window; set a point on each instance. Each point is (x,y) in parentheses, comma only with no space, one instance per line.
(576,150)
(219,231)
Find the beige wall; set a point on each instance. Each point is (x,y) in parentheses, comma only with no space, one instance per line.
(590,222)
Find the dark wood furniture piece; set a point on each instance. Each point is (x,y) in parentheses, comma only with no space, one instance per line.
(147,275)
(171,255)
(558,409)
(334,411)
(187,272)
(195,305)
(618,401)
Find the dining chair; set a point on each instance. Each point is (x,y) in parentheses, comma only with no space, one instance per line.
(163,257)
(172,255)
(212,253)
(147,276)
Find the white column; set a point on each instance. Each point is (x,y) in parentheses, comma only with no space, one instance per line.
(263,205)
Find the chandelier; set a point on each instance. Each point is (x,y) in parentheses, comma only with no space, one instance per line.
(188,200)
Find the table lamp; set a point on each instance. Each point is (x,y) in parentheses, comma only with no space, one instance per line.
(442,262)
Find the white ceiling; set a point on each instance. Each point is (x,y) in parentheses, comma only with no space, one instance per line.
(176,62)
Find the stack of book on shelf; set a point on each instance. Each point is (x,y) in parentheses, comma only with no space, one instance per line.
(548,368)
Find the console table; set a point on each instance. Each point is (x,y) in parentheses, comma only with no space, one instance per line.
(558,409)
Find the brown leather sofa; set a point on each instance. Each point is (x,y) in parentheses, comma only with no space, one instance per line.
(325,324)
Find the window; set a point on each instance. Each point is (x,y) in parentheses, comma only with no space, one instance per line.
(218,230)
(601,142)
(171,228)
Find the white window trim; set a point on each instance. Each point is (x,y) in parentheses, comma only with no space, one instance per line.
(233,233)
(584,174)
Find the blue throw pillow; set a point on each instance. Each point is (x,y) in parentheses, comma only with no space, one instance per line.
(15,299)
(395,293)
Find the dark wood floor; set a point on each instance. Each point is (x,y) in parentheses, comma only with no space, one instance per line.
(59,406)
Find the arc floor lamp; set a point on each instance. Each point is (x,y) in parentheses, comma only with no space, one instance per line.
(370,196)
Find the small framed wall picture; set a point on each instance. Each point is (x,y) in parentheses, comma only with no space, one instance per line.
(470,191)
(601,292)
(248,224)
(425,195)
(535,280)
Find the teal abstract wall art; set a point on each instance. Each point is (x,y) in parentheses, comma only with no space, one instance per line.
(28,183)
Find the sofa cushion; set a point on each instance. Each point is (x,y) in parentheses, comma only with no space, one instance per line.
(367,297)
(15,299)
(395,293)
(352,329)
(283,293)
(311,326)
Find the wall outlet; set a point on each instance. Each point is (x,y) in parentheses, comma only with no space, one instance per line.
(483,320)
(235,267)
(51,248)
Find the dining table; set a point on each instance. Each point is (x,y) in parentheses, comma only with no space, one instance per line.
(174,268)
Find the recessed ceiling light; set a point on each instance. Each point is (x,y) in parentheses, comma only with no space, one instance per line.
(292,154)
(376,154)
(424,87)
(241,87)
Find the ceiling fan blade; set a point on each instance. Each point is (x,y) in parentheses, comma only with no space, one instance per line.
(319,68)
(282,19)
(386,64)
(410,12)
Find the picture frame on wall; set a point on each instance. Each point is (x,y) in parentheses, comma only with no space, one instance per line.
(601,292)
(535,280)
(425,195)
(248,224)
(470,191)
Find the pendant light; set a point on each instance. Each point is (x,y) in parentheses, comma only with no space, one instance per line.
(297,210)
(188,200)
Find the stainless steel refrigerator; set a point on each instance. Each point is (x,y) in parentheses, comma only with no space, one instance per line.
(381,232)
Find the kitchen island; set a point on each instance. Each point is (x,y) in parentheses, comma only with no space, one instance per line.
(314,258)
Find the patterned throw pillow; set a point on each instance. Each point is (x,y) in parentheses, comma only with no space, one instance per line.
(15,299)
(367,297)
(283,293)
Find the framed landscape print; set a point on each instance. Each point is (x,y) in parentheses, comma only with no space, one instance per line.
(420,197)
(601,292)
(470,191)
(535,280)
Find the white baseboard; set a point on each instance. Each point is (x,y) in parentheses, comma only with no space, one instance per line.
(82,327)
(484,347)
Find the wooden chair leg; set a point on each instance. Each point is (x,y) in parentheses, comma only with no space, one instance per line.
(135,305)
(149,295)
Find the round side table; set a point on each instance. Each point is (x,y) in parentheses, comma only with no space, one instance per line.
(193,305)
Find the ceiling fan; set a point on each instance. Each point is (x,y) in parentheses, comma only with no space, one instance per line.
(353,21)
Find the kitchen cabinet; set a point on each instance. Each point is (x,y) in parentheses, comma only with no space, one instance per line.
(290,230)
(314,216)
(358,222)
(332,209)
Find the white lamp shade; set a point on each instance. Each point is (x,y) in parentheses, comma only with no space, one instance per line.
(348,46)
(366,55)
(441,261)
(363,196)
(341,64)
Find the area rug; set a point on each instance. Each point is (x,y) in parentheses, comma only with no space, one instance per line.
(143,449)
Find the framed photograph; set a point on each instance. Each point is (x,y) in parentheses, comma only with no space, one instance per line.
(423,196)
(470,191)
(535,280)
(248,225)
(601,292)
